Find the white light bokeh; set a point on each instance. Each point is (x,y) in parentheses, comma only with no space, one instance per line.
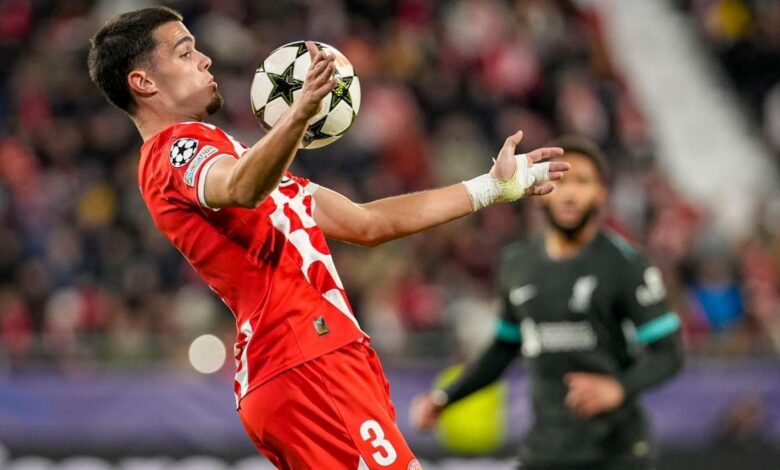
(207,354)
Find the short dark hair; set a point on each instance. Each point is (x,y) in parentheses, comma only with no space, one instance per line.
(122,44)
(587,148)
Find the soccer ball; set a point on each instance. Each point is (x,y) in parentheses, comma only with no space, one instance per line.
(278,82)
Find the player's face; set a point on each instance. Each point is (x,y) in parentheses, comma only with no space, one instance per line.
(181,73)
(578,196)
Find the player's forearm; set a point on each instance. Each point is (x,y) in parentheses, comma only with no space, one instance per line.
(261,168)
(486,370)
(398,216)
(661,361)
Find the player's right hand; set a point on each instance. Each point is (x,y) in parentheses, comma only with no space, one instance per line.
(423,413)
(318,83)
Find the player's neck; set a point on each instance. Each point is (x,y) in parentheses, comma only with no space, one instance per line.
(149,122)
(560,245)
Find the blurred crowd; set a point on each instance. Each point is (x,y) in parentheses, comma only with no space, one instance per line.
(86,278)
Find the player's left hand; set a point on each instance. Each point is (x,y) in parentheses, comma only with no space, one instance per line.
(592,394)
(318,83)
(526,174)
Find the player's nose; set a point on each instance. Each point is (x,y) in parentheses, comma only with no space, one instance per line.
(205,62)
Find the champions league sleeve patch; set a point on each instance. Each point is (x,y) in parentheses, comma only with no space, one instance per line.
(182,151)
(205,152)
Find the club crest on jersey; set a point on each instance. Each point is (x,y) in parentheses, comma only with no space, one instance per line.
(182,151)
(582,293)
(320,326)
(414,465)
(205,152)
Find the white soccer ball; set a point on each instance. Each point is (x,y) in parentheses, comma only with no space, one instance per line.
(278,82)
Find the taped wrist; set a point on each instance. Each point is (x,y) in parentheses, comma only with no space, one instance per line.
(483,190)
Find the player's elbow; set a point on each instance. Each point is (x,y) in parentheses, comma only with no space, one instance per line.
(371,242)
(678,362)
(246,199)
(669,356)
(367,236)
(374,231)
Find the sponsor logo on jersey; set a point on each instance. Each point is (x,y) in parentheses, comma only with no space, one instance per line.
(205,152)
(520,295)
(557,337)
(582,292)
(414,465)
(320,326)
(182,151)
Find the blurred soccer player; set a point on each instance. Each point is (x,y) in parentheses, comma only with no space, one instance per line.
(310,391)
(568,299)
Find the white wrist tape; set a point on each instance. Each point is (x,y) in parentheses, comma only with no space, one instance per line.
(485,190)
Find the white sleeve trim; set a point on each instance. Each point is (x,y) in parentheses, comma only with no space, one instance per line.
(202,180)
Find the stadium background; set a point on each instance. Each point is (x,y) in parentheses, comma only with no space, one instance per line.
(98,312)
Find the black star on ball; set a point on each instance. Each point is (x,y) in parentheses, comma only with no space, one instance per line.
(284,85)
(302,49)
(314,132)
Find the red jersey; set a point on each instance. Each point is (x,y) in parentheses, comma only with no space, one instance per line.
(270,265)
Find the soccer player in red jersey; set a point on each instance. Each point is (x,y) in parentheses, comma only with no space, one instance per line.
(309,389)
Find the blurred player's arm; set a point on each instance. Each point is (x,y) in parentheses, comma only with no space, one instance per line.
(485,370)
(592,394)
(370,224)
(657,329)
(643,299)
(247,181)
(659,362)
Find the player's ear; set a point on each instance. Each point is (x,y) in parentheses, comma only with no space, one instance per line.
(140,83)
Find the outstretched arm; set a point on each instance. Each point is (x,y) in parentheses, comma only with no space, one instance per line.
(511,178)
(245,182)
(426,408)
(386,219)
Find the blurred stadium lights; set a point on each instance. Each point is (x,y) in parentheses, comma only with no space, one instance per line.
(207,354)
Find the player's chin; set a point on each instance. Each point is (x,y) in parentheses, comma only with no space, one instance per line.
(215,104)
(569,220)
(568,217)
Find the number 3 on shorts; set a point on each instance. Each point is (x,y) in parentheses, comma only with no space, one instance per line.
(371,431)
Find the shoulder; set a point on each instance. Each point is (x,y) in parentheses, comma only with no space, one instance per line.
(183,136)
(196,134)
(180,143)
(196,129)
(621,250)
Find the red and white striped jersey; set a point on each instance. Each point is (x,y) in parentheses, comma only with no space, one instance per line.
(270,265)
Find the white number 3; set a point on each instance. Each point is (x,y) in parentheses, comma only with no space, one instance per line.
(371,430)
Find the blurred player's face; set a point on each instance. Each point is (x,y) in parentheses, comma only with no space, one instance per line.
(578,197)
(181,74)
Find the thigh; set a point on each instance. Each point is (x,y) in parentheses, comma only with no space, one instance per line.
(332,412)
(294,424)
(361,393)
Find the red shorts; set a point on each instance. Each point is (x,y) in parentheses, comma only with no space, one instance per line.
(333,412)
